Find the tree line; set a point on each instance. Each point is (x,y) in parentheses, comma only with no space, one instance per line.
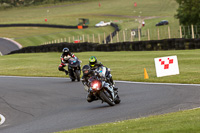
(188,12)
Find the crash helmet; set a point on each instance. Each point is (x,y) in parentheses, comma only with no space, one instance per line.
(92,61)
(65,51)
(86,69)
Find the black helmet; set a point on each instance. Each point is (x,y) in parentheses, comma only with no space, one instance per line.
(92,61)
(86,69)
(65,51)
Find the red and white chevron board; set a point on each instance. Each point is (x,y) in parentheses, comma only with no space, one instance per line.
(166,66)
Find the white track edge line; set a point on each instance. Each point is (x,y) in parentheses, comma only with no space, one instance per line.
(150,83)
(117,81)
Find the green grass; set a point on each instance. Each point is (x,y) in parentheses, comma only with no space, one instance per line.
(67,15)
(129,65)
(179,122)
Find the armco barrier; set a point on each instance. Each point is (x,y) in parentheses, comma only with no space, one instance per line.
(108,38)
(41,25)
(166,44)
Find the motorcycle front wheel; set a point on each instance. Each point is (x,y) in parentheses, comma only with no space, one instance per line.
(106,98)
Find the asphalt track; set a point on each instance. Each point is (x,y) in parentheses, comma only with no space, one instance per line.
(45,105)
(7,45)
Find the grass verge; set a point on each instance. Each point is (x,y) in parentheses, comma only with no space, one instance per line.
(179,122)
(125,65)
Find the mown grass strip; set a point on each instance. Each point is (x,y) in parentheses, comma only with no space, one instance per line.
(125,65)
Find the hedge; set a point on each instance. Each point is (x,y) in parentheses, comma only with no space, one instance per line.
(166,44)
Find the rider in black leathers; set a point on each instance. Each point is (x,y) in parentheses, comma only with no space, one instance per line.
(94,64)
(87,73)
(66,55)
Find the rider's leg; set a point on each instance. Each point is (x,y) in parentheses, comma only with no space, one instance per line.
(90,97)
(61,68)
(71,74)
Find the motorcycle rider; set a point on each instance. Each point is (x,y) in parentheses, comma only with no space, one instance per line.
(87,73)
(94,64)
(66,55)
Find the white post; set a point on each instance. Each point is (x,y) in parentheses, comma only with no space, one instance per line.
(104,38)
(148,34)
(124,36)
(117,36)
(99,39)
(169,32)
(192,31)
(139,34)
(93,39)
(158,34)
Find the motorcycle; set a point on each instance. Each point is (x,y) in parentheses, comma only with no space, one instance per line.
(74,68)
(99,88)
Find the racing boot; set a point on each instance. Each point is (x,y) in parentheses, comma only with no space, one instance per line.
(66,72)
(91,98)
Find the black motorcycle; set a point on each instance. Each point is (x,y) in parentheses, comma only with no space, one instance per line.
(74,68)
(99,89)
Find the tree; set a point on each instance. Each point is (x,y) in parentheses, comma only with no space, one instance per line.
(188,12)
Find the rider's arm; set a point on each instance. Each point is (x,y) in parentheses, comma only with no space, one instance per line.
(85,83)
(72,55)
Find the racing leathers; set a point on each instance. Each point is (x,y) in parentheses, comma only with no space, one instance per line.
(100,71)
(107,74)
(64,62)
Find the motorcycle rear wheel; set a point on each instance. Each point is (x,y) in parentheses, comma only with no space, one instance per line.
(106,99)
(77,75)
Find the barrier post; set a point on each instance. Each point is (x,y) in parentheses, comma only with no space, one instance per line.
(99,38)
(69,40)
(181,36)
(158,34)
(131,37)
(111,41)
(104,38)
(124,36)
(169,32)
(93,38)
(192,31)
(117,36)
(148,34)
(139,35)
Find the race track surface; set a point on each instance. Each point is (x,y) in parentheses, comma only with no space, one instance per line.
(8,45)
(45,105)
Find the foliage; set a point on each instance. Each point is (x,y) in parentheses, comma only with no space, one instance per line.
(188,12)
